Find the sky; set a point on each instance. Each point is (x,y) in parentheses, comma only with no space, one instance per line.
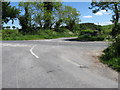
(102,17)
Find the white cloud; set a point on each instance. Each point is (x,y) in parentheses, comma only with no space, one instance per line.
(87,16)
(104,23)
(108,13)
(101,12)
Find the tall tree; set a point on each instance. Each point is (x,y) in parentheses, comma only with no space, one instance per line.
(38,14)
(26,19)
(9,12)
(71,17)
(48,8)
(50,12)
(113,6)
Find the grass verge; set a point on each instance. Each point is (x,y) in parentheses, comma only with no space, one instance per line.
(111,55)
(47,34)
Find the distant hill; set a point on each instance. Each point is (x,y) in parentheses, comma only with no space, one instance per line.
(108,26)
(92,26)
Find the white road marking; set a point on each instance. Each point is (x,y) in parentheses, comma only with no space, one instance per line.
(72,62)
(31,50)
(75,63)
(14,45)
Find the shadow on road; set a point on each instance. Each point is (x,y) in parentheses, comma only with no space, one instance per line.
(76,39)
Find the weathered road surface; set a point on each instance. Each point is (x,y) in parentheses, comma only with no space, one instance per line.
(55,64)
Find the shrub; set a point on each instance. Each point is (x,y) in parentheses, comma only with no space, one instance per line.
(91,38)
(42,34)
(10,34)
(111,55)
(89,32)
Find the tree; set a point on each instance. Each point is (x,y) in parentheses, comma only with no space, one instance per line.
(38,14)
(113,6)
(26,19)
(50,9)
(71,17)
(9,12)
(45,13)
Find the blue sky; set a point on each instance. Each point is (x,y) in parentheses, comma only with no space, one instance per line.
(102,17)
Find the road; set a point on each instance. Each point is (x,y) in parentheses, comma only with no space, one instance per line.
(56,63)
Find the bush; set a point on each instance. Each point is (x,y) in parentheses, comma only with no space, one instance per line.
(111,55)
(42,34)
(49,34)
(91,38)
(89,32)
(10,34)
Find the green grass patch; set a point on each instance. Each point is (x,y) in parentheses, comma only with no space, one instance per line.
(113,63)
(42,34)
(111,55)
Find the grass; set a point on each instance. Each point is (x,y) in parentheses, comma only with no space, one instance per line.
(111,55)
(46,34)
(114,63)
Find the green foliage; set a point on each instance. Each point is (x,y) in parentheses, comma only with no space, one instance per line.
(111,55)
(9,12)
(47,15)
(42,34)
(107,29)
(0,35)
(116,30)
(91,26)
(88,32)
(71,17)
(10,34)
(90,38)
(113,6)
(26,20)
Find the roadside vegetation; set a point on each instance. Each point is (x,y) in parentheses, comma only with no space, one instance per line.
(46,34)
(48,20)
(111,55)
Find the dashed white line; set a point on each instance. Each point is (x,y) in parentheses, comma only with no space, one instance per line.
(31,50)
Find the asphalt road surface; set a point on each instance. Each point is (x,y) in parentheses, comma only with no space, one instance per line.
(56,63)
